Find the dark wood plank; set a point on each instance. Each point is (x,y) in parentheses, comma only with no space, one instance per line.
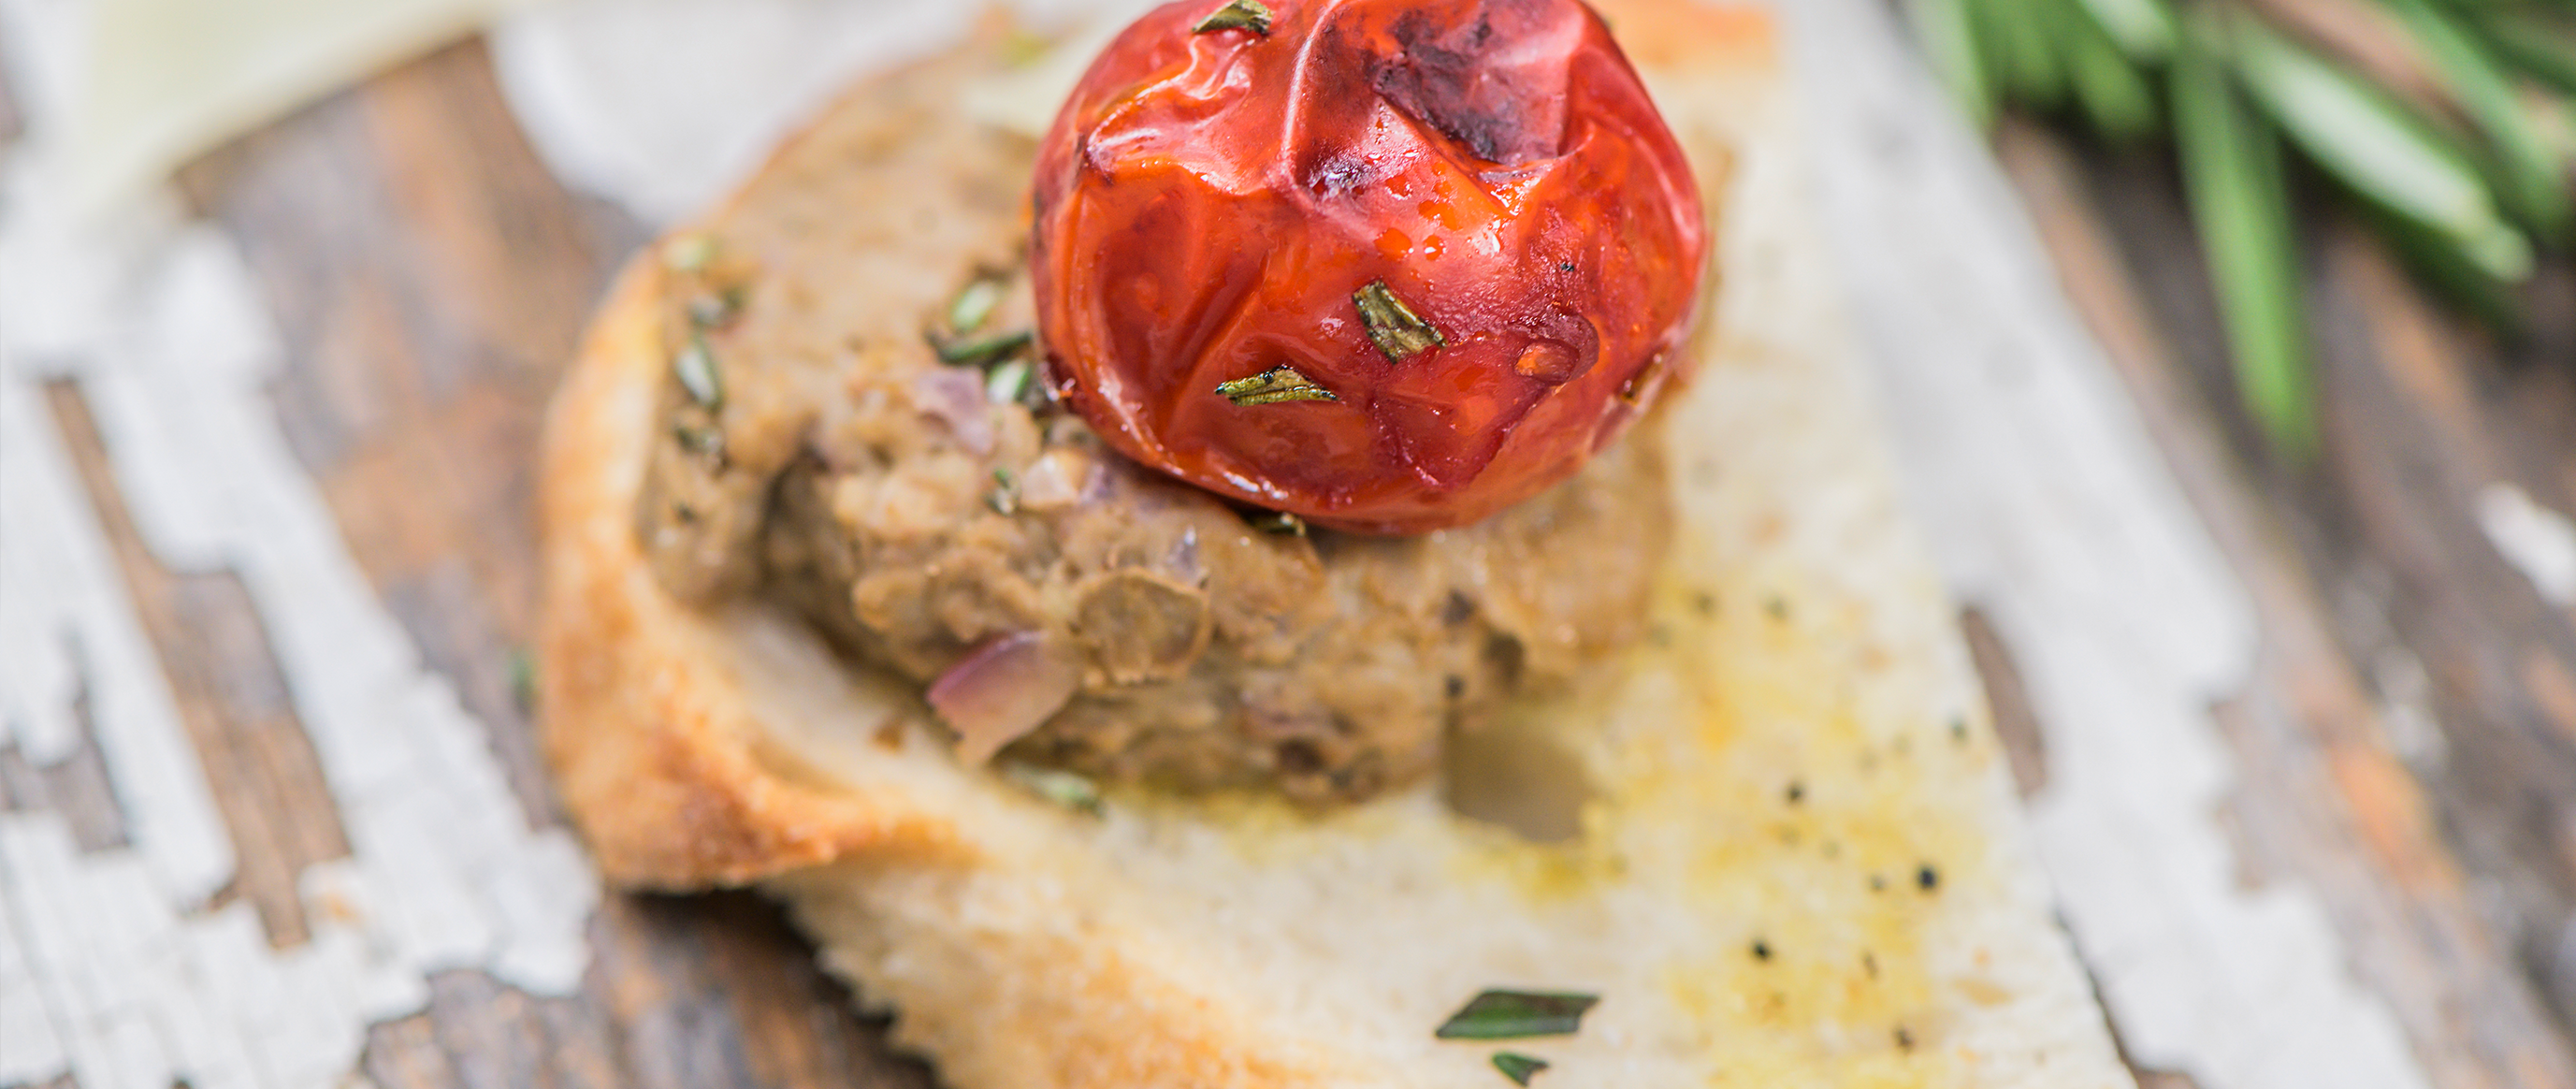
(430,279)
(2424,849)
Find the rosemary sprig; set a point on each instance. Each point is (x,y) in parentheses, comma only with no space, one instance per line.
(2461,160)
(2364,138)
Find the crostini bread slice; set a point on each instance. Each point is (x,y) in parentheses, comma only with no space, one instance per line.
(1794,858)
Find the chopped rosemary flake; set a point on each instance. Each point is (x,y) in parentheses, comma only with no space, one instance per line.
(1005,497)
(1280,522)
(1249,15)
(1512,1015)
(1064,788)
(1009,382)
(1273,386)
(717,310)
(696,368)
(1517,1066)
(702,441)
(974,304)
(1398,332)
(523,680)
(984,352)
(689,253)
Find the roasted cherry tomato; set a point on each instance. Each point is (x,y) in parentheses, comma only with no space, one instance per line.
(1387,265)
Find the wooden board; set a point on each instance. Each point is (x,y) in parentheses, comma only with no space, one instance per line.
(429,277)
(2397,748)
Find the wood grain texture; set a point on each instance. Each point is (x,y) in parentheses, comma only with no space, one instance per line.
(430,278)
(259,764)
(2419,812)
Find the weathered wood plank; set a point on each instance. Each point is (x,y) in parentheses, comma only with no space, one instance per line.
(2332,791)
(266,780)
(430,278)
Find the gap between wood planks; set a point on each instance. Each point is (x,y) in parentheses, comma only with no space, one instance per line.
(2321,796)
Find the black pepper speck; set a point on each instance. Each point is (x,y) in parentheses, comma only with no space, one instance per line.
(1761,949)
(1927,878)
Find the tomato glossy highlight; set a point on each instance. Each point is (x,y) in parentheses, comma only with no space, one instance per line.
(1213,206)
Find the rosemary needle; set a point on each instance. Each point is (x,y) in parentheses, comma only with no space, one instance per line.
(2363,138)
(2531,177)
(2232,172)
(1950,35)
(2114,95)
(2144,29)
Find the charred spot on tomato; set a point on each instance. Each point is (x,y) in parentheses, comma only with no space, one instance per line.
(1391,267)
(1448,73)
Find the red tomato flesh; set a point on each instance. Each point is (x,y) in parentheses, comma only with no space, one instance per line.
(1210,205)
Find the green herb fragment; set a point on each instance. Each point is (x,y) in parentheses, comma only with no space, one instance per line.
(974,304)
(1513,1015)
(695,366)
(981,353)
(1273,386)
(1009,383)
(1249,15)
(2231,165)
(715,311)
(689,254)
(1397,331)
(1064,788)
(1005,497)
(1517,1066)
(1281,523)
(523,680)
(707,442)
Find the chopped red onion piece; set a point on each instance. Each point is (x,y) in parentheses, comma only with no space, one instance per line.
(955,396)
(1002,690)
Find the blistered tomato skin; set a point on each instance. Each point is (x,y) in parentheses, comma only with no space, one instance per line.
(1213,207)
